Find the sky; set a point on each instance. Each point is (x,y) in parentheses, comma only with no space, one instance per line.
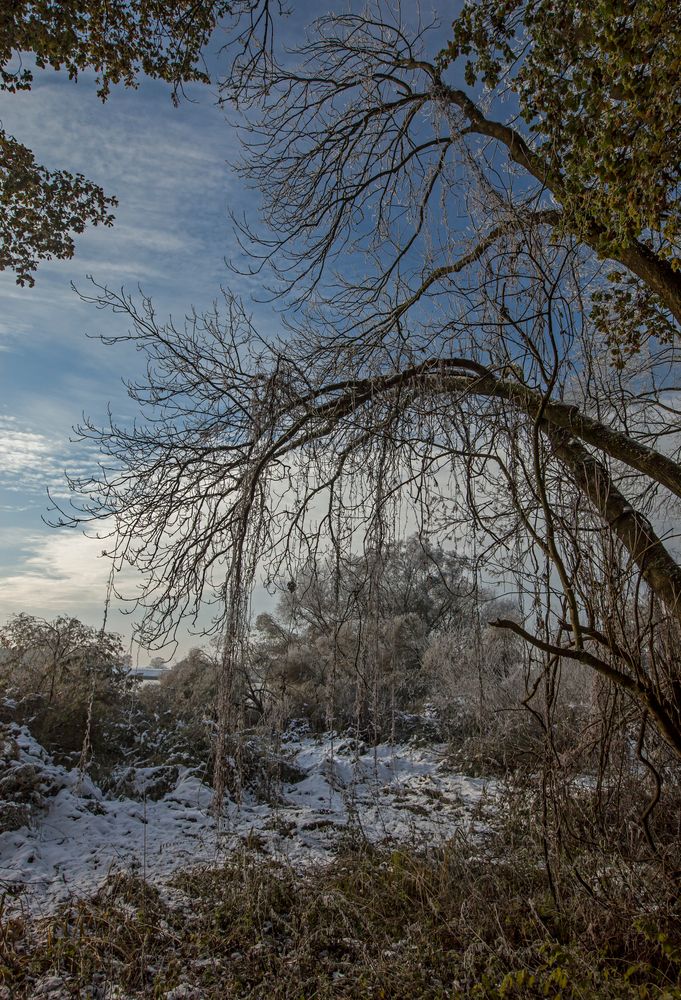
(168,168)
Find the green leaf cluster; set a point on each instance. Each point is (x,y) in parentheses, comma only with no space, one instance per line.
(597,84)
(40,210)
(119,39)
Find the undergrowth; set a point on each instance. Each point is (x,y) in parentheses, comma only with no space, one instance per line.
(465,921)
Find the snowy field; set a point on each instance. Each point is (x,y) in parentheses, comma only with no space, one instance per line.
(328,789)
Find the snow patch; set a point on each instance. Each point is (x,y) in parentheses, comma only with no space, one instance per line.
(77,835)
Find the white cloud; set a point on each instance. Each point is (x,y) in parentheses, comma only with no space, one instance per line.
(62,573)
(23,451)
(31,461)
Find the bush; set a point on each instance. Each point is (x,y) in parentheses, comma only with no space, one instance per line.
(55,676)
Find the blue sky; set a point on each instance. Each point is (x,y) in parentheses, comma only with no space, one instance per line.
(168,168)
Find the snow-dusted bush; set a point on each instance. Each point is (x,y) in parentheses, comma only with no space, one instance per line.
(25,780)
(492,701)
(57,674)
(346,644)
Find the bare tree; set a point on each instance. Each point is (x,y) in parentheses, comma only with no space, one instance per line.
(444,362)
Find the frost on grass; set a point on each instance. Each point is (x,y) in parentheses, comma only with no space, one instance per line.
(69,834)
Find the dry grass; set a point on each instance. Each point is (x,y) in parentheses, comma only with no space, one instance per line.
(461,922)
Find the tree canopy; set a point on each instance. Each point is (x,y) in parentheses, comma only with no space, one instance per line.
(597,90)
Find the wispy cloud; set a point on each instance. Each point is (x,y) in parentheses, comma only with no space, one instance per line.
(31,461)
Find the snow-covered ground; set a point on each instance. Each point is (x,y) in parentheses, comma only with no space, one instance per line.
(392,793)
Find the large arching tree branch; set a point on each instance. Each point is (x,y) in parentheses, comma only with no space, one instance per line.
(447,375)
(562,425)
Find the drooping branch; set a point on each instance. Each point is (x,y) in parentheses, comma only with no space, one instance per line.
(562,425)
